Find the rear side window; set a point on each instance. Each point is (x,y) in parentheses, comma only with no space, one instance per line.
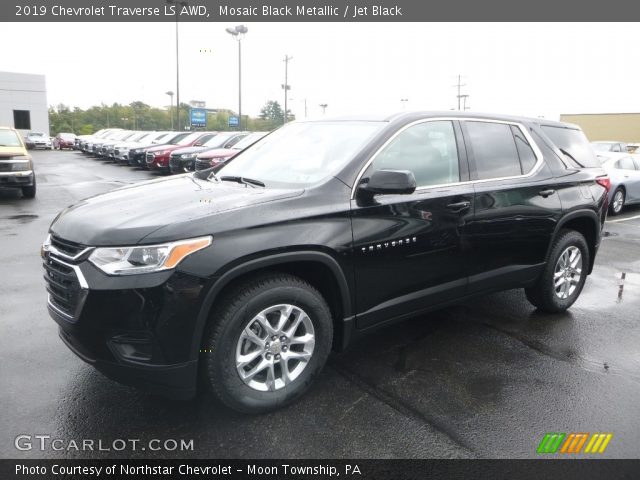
(574,145)
(525,152)
(428,149)
(494,150)
(625,163)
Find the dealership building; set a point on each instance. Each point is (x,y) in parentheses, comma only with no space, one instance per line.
(23,102)
(622,127)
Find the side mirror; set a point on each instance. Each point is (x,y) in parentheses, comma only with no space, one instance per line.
(389,182)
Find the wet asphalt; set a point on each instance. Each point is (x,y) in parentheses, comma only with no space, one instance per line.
(485,379)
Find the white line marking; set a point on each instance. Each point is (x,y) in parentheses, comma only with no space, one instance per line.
(623,219)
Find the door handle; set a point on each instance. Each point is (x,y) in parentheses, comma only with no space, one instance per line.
(546,193)
(459,206)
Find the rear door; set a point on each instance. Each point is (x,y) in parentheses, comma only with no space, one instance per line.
(630,178)
(410,250)
(516,205)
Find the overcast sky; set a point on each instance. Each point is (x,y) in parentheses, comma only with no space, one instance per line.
(529,69)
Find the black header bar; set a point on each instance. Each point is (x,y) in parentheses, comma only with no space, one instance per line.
(317,10)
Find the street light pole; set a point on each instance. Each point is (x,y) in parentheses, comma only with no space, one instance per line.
(182,3)
(324,106)
(404,102)
(238,33)
(170,93)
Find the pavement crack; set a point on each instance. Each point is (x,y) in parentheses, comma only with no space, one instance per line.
(398,405)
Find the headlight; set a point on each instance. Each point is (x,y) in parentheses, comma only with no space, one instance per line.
(46,244)
(146,258)
(21,166)
(188,155)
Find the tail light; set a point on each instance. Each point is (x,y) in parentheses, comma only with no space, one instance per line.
(605,181)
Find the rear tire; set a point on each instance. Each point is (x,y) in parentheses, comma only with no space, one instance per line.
(564,274)
(29,192)
(617,201)
(266,341)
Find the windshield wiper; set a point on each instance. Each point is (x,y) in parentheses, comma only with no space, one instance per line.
(571,157)
(244,180)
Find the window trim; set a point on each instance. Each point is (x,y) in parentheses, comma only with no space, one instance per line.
(536,150)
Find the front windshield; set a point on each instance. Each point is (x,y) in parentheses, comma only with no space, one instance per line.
(249,140)
(177,140)
(302,154)
(8,138)
(219,140)
(601,147)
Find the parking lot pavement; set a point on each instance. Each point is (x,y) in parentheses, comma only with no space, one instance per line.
(484,379)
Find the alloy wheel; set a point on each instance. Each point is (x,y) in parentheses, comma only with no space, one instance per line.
(568,272)
(275,347)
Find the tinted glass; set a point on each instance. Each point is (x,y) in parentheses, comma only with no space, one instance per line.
(494,150)
(428,150)
(303,153)
(525,152)
(573,142)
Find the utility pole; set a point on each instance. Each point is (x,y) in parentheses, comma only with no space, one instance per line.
(464,102)
(459,86)
(324,106)
(286,86)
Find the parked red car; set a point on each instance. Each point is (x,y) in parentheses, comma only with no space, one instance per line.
(157,158)
(64,140)
(218,156)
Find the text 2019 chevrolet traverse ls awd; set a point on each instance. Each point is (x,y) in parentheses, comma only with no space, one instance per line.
(318,233)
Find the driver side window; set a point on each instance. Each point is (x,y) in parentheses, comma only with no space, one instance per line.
(428,149)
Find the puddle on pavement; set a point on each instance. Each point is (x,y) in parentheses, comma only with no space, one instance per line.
(23,218)
(603,290)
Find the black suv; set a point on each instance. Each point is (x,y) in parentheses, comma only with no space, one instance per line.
(318,233)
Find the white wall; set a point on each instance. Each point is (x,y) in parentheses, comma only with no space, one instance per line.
(22,91)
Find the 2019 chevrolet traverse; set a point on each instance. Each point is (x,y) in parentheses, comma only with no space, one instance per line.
(247,277)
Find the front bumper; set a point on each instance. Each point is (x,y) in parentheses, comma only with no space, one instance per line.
(138,330)
(17,179)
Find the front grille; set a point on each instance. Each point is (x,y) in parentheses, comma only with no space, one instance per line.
(66,295)
(6,167)
(116,152)
(67,248)
(174,161)
(202,164)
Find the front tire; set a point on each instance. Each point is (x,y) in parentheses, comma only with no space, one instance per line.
(29,192)
(564,274)
(617,201)
(266,341)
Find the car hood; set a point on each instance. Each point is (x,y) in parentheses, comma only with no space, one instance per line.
(127,215)
(7,153)
(159,148)
(185,150)
(218,152)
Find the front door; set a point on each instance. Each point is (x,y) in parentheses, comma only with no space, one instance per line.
(410,249)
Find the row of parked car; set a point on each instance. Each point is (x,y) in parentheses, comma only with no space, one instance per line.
(168,152)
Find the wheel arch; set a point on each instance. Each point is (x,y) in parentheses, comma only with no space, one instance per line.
(320,269)
(585,222)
